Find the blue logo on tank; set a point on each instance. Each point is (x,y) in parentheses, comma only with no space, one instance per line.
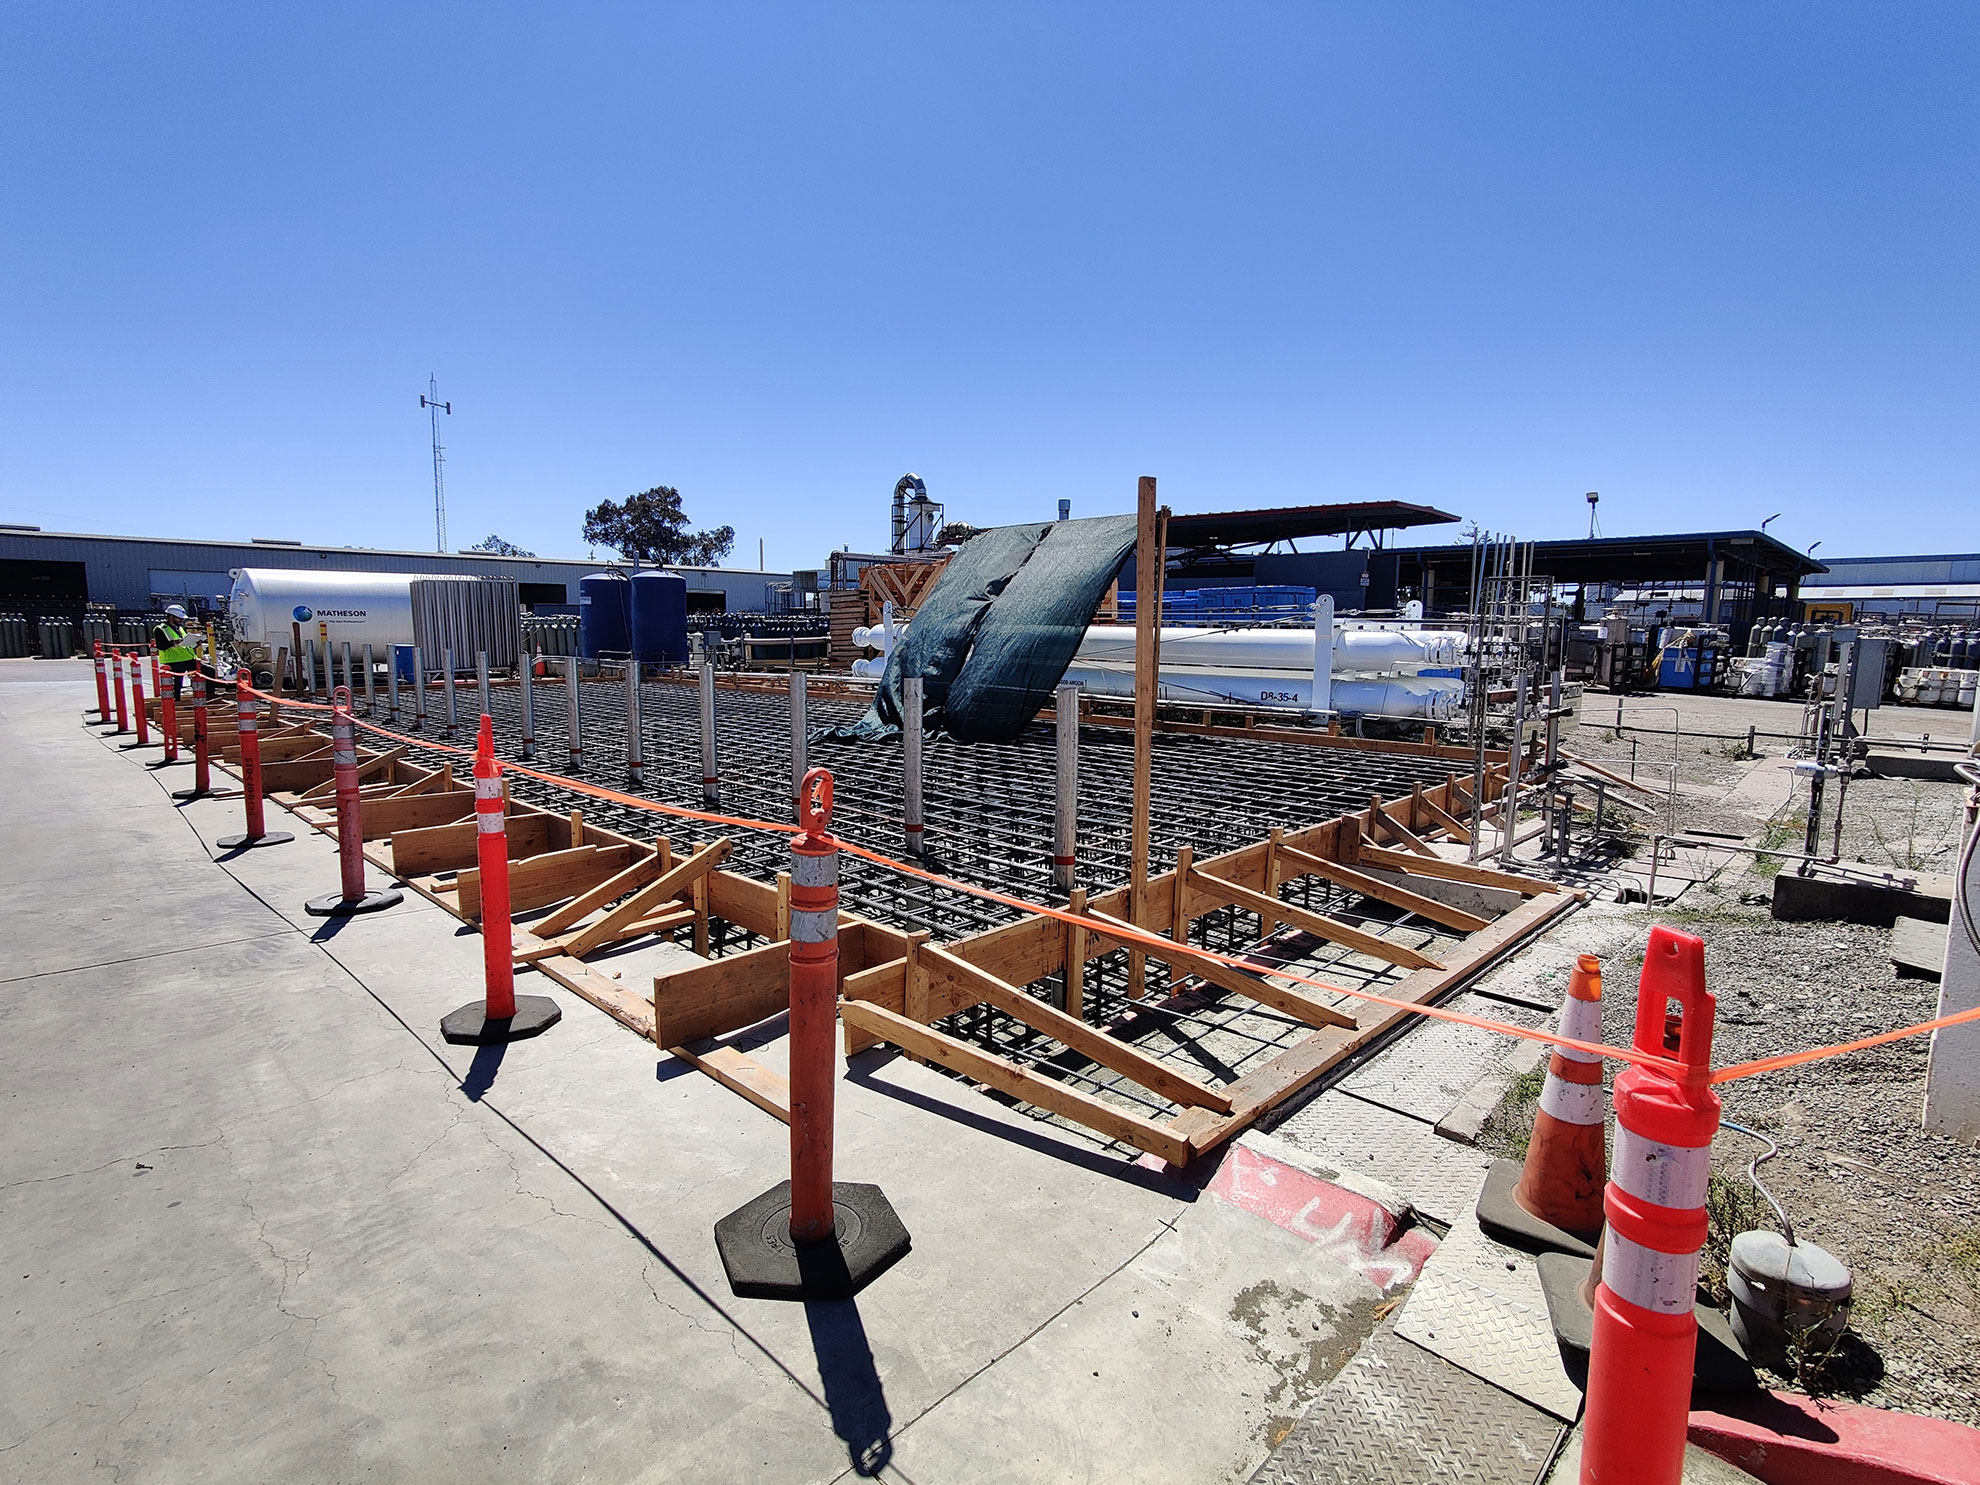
(303,613)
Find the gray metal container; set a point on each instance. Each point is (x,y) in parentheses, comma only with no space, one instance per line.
(1781,1292)
(468,617)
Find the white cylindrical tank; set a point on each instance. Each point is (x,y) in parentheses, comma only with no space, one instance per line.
(365,608)
(1430,698)
(1279,649)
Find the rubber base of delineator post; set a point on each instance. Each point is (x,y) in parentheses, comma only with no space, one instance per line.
(168,763)
(192,794)
(246,842)
(1506,1220)
(336,905)
(1721,1366)
(471,1026)
(764,1262)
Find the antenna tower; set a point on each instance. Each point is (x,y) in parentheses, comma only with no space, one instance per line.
(432,402)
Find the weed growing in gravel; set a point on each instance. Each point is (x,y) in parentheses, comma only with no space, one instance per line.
(1912,857)
(1732,1206)
(1960,1252)
(1779,833)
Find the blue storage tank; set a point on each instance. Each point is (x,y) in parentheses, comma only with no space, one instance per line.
(659,618)
(604,616)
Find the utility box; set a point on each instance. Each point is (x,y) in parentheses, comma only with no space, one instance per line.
(467,616)
(1866,677)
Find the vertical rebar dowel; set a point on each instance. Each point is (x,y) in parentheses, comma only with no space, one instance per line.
(447,689)
(392,682)
(1509,805)
(329,668)
(370,683)
(309,657)
(1065,834)
(528,680)
(798,729)
(576,724)
(481,677)
(711,777)
(911,763)
(349,668)
(635,764)
(418,688)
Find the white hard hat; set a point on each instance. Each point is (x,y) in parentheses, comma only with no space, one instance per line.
(175,610)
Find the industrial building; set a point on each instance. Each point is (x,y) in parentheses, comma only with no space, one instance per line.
(55,574)
(1943,587)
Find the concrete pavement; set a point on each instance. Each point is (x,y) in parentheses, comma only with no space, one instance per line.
(260,1223)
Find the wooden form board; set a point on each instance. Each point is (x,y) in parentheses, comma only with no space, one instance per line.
(896,1001)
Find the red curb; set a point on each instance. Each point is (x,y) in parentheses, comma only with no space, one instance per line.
(1355,1229)
(1784,1438)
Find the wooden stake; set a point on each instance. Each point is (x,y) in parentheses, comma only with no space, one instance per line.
(1179,903)
(1267,925)
(783,905)
(577,827)
(1149,561)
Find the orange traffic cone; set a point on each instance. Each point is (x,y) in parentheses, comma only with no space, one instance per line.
(1555,1202)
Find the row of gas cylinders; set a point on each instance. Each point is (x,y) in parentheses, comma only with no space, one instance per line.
(1938,686)
(644,616)
(1946,649)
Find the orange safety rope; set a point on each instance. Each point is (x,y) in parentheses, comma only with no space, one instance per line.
(1131,937)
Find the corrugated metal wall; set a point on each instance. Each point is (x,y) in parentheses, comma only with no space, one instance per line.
(466,618)
(120,567)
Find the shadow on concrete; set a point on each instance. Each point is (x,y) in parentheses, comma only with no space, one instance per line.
(862,1067)
(481,1072)
(853,1392)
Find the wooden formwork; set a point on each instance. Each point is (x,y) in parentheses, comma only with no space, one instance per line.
(605,891)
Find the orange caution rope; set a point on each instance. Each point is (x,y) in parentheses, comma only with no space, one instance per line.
(1121,933)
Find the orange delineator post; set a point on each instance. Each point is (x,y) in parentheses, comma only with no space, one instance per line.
(814,1008)
(168,723)
(351,897)
(501,1015)
(123,712)
(102,681)
(1646,1335)
(1567,1157)
(788,1243)
(137,704)
(250,740)
(491,847)
(202,771)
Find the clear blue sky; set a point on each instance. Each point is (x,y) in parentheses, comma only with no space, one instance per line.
(1712,260)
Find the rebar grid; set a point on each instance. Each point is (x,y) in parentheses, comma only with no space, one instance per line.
(989,810)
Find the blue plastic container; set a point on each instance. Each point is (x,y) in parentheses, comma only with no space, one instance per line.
(402,663)
(604,616)
(659,618)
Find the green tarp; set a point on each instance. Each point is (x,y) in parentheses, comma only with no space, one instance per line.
(996,633)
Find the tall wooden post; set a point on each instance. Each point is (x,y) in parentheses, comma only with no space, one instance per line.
(1150,557)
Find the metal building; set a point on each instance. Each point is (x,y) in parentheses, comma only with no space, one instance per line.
(57,573)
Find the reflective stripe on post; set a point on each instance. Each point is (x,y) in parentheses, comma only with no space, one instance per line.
(814,1008)
(491,843)
(1645,1334)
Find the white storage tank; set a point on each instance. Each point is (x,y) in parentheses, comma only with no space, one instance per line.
(268,605)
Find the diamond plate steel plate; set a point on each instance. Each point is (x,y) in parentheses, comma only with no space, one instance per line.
(1500,1339)
(1396,1415)
(1434,1064)
(1439,1177)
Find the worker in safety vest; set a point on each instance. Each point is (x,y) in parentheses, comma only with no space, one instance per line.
(175,651)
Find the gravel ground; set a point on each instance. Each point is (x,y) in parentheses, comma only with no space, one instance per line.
(1856,1172)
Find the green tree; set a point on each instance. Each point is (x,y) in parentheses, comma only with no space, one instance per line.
(499,547)
(652,527)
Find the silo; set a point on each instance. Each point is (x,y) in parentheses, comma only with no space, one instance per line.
(659,618)
(604,616)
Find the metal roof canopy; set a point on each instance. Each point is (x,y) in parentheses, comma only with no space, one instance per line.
(1239,528)
(1624,559)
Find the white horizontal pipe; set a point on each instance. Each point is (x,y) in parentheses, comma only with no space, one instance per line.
(1431,698)
(1279,649)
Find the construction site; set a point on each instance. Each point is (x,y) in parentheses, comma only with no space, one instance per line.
(1040,1002)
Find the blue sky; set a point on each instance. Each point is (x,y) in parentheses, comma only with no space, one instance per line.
(1715,261)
